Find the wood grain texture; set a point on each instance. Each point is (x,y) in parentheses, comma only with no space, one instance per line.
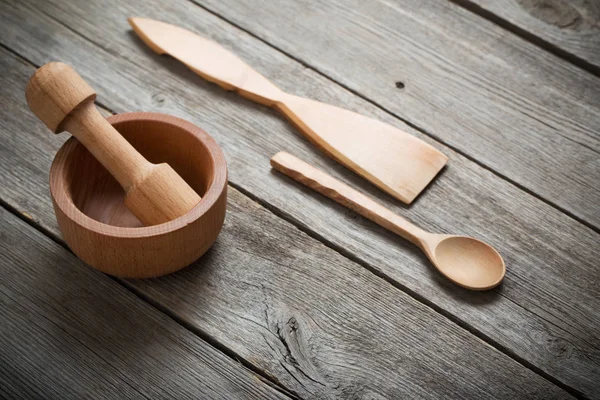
(569,27)
(515,108)
(69,332)
(319,324)
(533,314)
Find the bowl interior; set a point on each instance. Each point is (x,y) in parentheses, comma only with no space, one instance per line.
(97,194)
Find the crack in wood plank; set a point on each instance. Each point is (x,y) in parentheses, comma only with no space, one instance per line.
(369,263)
(73,332)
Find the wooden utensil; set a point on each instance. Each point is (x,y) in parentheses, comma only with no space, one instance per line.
(395,161)
(88,201)
(467,262)
(64,101)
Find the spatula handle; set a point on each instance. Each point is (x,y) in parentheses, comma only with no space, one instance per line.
(338,191)
(211,61)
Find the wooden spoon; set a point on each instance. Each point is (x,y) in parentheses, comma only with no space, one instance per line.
(467,262)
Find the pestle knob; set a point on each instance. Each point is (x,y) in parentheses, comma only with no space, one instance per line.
(155,193)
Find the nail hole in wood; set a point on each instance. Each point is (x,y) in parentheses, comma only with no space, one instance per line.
(400,85)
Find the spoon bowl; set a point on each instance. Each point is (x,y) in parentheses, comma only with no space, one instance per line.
(466,261)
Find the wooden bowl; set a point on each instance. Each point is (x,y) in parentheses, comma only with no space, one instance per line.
(100,230)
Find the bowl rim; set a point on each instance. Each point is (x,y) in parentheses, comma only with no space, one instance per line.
(211,196)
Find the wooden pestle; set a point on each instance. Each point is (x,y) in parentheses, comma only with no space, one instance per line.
(155,193)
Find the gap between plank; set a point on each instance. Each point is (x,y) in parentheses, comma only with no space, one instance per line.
(372,102)
(528,36)
(297,224)
(264,377)
(407,122)
(271,381)
(414,295)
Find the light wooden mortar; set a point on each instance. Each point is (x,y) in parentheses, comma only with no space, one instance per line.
(89,202)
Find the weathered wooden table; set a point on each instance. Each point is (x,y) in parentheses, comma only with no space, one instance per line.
(300,298)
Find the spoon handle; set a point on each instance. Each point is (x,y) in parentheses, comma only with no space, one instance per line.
(346,196)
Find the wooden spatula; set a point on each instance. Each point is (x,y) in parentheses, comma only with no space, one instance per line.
(395,161)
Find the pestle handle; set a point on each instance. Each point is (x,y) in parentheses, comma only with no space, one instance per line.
(59,97)
(64,101)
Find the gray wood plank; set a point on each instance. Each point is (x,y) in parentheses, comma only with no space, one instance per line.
(318,323)
(570,28)
(70,332)
(515,108)
(533,316)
